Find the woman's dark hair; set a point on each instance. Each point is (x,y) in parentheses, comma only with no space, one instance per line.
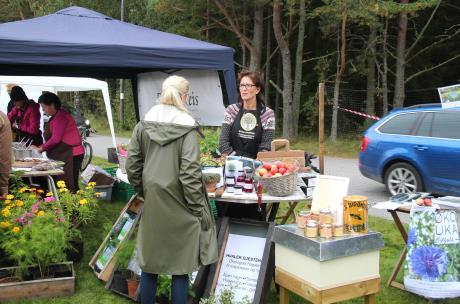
(49,98)
(18,94)
(257,79)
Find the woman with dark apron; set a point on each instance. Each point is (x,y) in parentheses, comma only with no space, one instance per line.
(25,118)
(248,128)
(62,140)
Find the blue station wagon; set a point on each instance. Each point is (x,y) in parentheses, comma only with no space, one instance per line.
(414,149)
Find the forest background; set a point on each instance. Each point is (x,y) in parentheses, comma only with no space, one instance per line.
(372,55)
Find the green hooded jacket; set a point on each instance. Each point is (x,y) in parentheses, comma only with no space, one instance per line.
(177,232)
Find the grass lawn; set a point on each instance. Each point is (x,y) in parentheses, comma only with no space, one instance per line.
(91,290)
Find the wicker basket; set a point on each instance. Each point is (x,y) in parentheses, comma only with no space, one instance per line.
(283,185)
(122,163)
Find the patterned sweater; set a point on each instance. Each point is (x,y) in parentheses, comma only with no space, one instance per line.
(268,128)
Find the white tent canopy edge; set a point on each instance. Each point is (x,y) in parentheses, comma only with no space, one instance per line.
(34,84)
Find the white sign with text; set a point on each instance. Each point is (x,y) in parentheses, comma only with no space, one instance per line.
(446,230)
(205,102)
(240,266)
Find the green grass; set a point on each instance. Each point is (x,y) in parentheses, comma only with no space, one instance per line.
(91,290)
(346,147)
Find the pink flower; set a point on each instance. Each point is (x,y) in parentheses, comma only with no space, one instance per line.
(35,206)
(49,199)
(61,219)
(30,214)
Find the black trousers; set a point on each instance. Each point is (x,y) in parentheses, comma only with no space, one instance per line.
(77,160)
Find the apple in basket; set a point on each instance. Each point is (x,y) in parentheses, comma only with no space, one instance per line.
(263,171)
(267,166)
(274,169)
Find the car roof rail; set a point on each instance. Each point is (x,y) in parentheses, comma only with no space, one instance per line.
(425,105)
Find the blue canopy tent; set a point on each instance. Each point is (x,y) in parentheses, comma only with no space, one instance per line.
(79,42)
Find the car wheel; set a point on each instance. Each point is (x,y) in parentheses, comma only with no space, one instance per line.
(403,178)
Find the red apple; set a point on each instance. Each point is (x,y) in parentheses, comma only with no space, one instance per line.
(274,170)
(267,166)
(280,165)
(282,170)
(290,168)
(268,175)
(427,202)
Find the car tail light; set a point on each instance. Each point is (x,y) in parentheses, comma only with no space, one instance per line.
(364,143)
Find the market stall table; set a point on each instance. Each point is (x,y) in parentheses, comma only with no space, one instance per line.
(251,198)
(48,174)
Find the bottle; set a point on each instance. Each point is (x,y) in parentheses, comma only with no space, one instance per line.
(248,186)
(241,178)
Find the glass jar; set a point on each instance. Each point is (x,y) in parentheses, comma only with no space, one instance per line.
(238,190)
(302,218)
(248,184)
(311,229)
(240,179)
(314,216)
(325,216)
(325,231)
(230,183)
(338,230)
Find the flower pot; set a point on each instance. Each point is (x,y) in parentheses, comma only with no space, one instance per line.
(63,285)
(75,252)
(211,187)
(119,283)
(133,284)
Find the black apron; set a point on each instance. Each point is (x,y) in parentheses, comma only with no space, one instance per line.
(61,152)
(36,139)
(246,132)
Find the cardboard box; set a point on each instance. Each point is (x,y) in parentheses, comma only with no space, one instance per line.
(103,262)
(285,155)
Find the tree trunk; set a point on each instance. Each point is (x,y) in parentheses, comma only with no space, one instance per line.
(279,66)
(256,56)
(385,70)
(298,69)
(340,71)
(370,92)
(398,98)
(288,124)
(267,65)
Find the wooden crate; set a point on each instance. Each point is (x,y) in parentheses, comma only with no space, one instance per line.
(42,288)
(281,151)
(135,205)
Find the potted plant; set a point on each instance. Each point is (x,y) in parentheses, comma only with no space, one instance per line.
(122,273)
(35,234)
(210,181)
(78,208)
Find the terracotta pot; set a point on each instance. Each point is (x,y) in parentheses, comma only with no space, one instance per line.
(133,284)
(211,187)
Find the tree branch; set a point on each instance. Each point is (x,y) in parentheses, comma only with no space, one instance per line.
(277,88)
(419,36)
(433,45)
(430,68)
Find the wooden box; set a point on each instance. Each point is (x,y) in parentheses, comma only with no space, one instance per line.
(40,288)
(286,155)
(134,206)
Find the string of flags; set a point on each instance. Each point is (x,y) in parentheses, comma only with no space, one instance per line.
(360,114)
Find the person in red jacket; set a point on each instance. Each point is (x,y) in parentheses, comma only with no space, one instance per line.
(62,140)
(25,117)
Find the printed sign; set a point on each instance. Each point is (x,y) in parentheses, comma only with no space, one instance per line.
(205,102)
(240,266)
(450,96)
(433,254)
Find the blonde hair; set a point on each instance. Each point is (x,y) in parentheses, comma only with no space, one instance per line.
(173,87)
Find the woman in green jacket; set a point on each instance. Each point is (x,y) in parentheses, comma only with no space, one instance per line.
(177,233)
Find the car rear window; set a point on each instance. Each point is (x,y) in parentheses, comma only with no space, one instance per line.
(401,124)
(424,128)
(446,125)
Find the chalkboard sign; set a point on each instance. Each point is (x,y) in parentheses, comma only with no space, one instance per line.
(246,260)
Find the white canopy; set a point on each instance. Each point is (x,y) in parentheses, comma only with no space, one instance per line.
(35,85)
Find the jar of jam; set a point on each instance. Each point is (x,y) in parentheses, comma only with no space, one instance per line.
(238,190)
(311,229)
(230,183)
(325,216)
(248,186)
(302,218)
(240,179)
(325,231)
(338,230)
